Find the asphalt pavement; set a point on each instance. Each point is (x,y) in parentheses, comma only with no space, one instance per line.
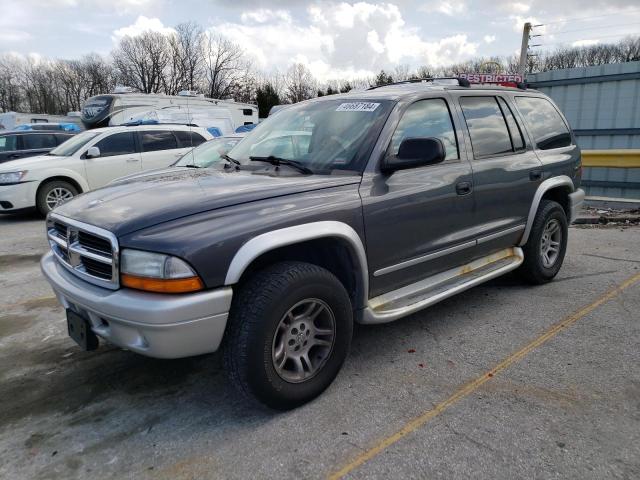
(503,381)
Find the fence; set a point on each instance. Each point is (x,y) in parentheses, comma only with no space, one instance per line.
(602,104)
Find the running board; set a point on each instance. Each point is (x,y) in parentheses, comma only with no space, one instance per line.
(407,300)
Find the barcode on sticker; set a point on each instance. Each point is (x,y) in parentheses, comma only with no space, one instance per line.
(357,107)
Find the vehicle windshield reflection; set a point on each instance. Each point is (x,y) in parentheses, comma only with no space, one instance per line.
(208,154)
(320,135)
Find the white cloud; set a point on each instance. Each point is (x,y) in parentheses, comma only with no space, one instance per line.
(341,40)
(518,7)
(489,38)
(141,25)
(447,7)
(13,36)
(584,43)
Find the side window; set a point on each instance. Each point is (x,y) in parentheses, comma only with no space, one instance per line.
(189,139)
(154,140)
(487,127)
(33,142)
(117,144)
(427,118)
(514,129)
(8,143)
(547,126)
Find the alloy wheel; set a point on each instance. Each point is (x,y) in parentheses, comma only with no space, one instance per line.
(550,243)
(303,340)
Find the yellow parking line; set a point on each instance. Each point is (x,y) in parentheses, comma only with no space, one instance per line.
(470,387)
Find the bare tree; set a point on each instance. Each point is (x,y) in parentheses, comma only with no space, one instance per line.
(300,83)
(11,85)
(141,61)
(223,65)
(185,70)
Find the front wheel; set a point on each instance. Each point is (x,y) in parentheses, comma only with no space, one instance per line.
(53,194)
(288,334)
(547,244)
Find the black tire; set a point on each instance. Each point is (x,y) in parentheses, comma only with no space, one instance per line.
(48,187)
(258,308)
(533,270)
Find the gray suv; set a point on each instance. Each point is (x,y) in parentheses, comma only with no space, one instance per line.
(364,207)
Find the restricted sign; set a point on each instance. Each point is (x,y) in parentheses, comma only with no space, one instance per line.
(502,78)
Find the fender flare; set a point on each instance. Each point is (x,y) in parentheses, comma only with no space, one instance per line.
(548,184)
(79,179)
(300,233)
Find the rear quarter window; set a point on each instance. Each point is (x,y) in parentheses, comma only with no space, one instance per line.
(154,140)
(545,123)
(189,139)
(8,143)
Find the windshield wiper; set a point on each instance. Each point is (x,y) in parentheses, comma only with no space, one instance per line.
(232,161)
(277,161)
(191,165)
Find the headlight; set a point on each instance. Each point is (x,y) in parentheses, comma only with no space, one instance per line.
(12,177)
(156,272)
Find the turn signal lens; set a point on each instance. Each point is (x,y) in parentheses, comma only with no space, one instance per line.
(170,285)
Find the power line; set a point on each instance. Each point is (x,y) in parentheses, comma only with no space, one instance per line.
(578,19)
(592,28)
(581,40)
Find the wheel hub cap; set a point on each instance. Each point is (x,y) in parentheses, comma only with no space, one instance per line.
(57,197)
(303,340)
(550,243)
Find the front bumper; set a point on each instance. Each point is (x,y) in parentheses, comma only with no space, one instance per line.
(20,196)
(576,199)
(152,324)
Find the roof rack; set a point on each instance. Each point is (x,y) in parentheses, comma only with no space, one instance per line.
(136,123)
(462,82)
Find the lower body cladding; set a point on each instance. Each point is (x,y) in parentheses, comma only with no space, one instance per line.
(152,324)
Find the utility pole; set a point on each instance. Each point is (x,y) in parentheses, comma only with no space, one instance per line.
(524,49)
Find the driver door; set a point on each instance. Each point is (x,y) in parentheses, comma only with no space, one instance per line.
(416,218)
(119,156)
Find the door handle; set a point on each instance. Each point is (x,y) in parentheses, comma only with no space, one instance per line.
(464,188)
(131,160)
(535,175)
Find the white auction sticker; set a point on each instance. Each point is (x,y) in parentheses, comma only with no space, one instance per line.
(357,107)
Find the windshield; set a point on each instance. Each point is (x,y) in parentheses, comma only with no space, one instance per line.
(320,135)
(208,153)
(74,144)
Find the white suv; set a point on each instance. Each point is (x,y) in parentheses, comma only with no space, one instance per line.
(90,160)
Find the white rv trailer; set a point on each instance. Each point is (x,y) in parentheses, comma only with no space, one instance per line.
(10,120)
(119,108)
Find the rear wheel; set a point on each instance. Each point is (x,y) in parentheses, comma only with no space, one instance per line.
(288,334)
(53,194)
(547,244)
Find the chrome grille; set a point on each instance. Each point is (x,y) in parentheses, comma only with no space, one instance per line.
(89,252)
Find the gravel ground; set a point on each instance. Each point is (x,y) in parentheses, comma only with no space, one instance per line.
(568,407)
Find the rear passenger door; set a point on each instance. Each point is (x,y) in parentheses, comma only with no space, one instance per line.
(160,148)
(506,171)
(119,156)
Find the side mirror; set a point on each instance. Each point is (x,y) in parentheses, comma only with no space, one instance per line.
(416,152)
(93,152)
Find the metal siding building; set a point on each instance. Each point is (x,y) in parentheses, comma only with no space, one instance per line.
(602,104)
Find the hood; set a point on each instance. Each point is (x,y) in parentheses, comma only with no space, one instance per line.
(130,205)
(25,163)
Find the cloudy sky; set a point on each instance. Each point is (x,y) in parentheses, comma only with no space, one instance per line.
(335,39)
